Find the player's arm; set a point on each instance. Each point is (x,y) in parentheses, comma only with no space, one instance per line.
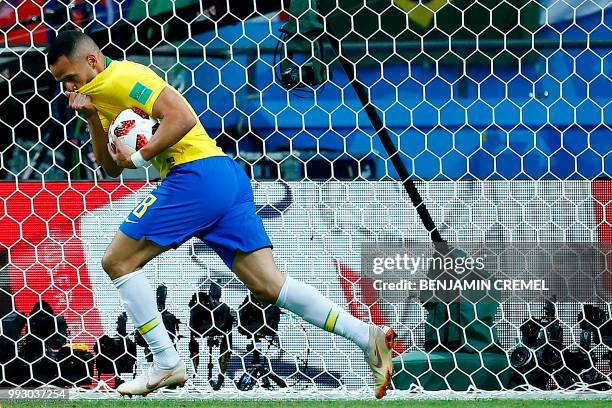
(82,104)
(175,121)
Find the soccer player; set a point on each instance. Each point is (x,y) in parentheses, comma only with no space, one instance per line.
(203,193)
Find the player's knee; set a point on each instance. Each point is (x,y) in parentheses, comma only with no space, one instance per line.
(108,264)
(265,293)
(114,267)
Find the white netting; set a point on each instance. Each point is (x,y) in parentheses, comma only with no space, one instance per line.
(498,110)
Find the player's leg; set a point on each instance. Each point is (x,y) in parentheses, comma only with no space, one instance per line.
(258,271)
(123,261)
(125,255)
(191,198)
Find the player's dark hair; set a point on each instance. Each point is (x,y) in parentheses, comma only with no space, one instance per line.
(66,43)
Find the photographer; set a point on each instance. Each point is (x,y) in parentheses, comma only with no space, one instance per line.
(213,319)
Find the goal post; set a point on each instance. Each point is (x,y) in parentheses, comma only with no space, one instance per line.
(373,132)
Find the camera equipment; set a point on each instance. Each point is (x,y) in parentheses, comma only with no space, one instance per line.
(116,355)
(579,367)
(208,315)
(524,360)
(210,318)
(595,321)
(542,355)
(296,76)
(53,362)
(46,326)
(76,365)
(576,361)
(259,321)
(304,39)
(12,325)
(596,328)
(539,354)
(171,323)
(43,332)
(14,370)
(309,73)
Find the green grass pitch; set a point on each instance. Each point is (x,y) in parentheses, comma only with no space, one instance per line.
(142,403)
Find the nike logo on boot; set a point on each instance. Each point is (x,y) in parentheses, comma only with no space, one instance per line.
(164,378)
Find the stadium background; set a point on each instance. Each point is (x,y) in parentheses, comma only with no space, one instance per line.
(523,154)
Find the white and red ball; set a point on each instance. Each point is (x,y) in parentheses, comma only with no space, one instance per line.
(133,127)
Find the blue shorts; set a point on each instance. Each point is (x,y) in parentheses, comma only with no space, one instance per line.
(209,198)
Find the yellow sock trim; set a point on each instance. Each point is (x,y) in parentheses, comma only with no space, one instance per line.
(150,325)
(332,318)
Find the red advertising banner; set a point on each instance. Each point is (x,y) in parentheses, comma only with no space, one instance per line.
(40,230)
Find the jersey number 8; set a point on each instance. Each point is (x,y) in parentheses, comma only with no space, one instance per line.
(142,207)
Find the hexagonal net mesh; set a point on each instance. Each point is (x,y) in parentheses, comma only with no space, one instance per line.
(475,123)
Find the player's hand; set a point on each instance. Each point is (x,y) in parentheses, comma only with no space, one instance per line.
(121,153)
(81,103)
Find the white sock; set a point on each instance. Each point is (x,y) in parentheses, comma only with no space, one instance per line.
(139,302)
(307,302)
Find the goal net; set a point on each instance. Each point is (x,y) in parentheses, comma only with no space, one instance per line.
(365,127)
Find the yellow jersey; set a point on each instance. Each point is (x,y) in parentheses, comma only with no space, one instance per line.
(125,84)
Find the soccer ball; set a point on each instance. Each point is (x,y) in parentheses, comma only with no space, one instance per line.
(133,127)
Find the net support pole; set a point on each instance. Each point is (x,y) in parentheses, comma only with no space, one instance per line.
(388,144)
